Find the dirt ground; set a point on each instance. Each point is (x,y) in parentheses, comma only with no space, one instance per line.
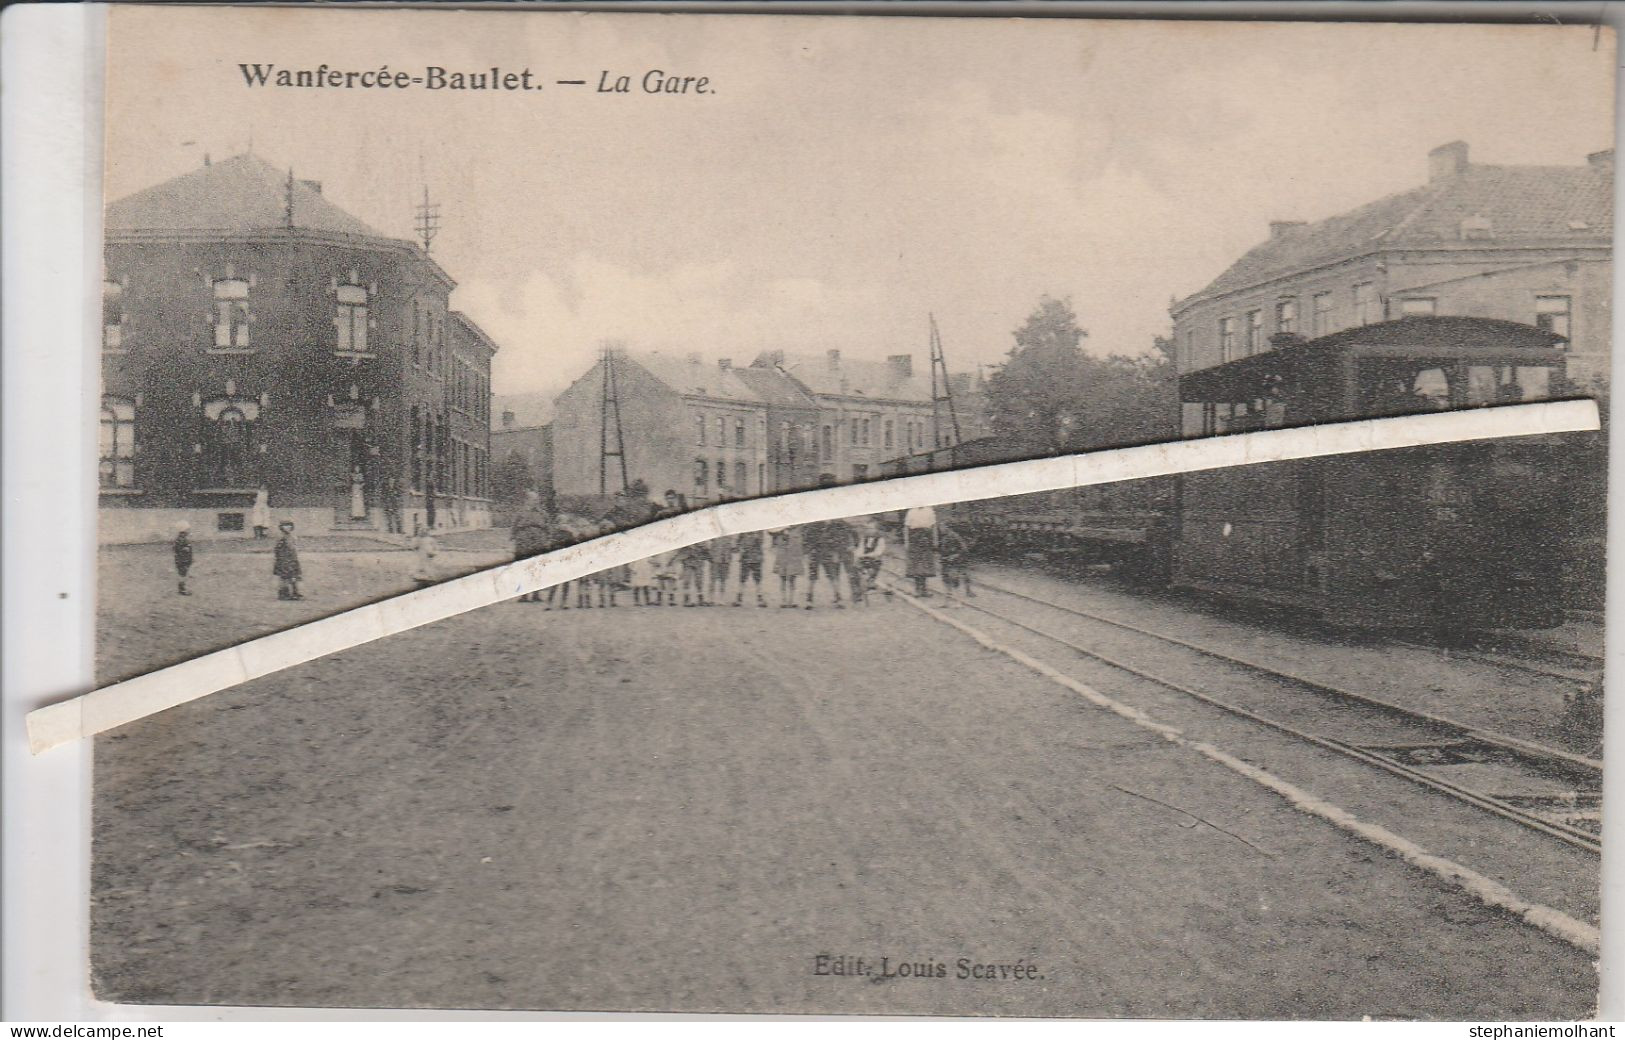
(683,810)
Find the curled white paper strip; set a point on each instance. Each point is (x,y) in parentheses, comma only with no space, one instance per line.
(132,699)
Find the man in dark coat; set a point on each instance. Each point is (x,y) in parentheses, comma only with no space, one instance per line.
(285,564)
(183,555)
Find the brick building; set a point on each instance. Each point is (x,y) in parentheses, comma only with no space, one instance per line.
(711,428)
(690,426)
(1531,244)
(869,411)
(257,336)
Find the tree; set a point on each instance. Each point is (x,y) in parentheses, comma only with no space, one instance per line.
(1036,395)
(1054,396)
(513,477)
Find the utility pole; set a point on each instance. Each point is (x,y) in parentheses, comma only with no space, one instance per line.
(609,411)
(942,394)
(428,220)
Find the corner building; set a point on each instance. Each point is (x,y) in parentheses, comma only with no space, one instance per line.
(255,335)
(1529,244)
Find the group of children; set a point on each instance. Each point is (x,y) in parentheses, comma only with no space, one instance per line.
(284,560)
(705,574)
(844,554)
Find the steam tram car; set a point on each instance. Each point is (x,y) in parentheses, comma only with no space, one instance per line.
(1462,536)
(1466,535)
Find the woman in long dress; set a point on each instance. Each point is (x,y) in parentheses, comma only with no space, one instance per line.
(261,513)
(358,495)
(920,546)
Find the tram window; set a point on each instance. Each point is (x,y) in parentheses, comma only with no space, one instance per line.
(1536,383)
(1431,388)
(1552,315)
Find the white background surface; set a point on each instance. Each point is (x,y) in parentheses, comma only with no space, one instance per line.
(50,121)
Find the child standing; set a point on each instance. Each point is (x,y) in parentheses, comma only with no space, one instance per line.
(423,569)
(954,552)
(749,547)
(871,551)
(788,560)
(183,555)
(285,563)
(693,560)
(722,555)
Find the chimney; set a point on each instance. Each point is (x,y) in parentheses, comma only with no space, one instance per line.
(1281,227)
(315,186)
(725,363)
(834,358)
(507,418)
(1603,160)
(902,365)
(1447,160)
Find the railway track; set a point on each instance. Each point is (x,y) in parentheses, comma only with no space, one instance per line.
(1546,789)
(1526,656)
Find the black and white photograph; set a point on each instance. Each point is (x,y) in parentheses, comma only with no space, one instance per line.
(395,296)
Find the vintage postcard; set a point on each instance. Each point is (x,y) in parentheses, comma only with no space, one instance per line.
(395,296)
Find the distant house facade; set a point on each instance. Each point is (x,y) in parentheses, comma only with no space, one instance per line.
(1531,244)
(529,448)
(685,425)
(255,336)
(712,429)
(868,412)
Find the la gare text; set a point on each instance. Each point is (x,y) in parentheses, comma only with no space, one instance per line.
(495,77)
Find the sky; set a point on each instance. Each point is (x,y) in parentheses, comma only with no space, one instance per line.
(846,176)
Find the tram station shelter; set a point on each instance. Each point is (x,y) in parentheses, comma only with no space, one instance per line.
(256,336)
(1525,244)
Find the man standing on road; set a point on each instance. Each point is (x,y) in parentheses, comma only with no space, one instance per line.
(183,555)
(285,564)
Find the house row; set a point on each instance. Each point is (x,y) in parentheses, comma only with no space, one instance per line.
(713,429)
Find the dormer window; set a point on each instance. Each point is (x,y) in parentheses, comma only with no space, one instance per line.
(112,317)
(231,315)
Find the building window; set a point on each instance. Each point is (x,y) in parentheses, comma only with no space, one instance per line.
(784,439)
(352,318)
(1323,313)
(722,431)
(1418,307)
(117,443)
(740,477)
(739,433)
(699,430)
(828,453)
(1552,314)
(1365,298)
(722,474)
(887,433)
(919,435)
(228,442)
(231,315)
(702,476)
(1286,316)
(1227,339)
(417,333)
(112,317)
(1255,331)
